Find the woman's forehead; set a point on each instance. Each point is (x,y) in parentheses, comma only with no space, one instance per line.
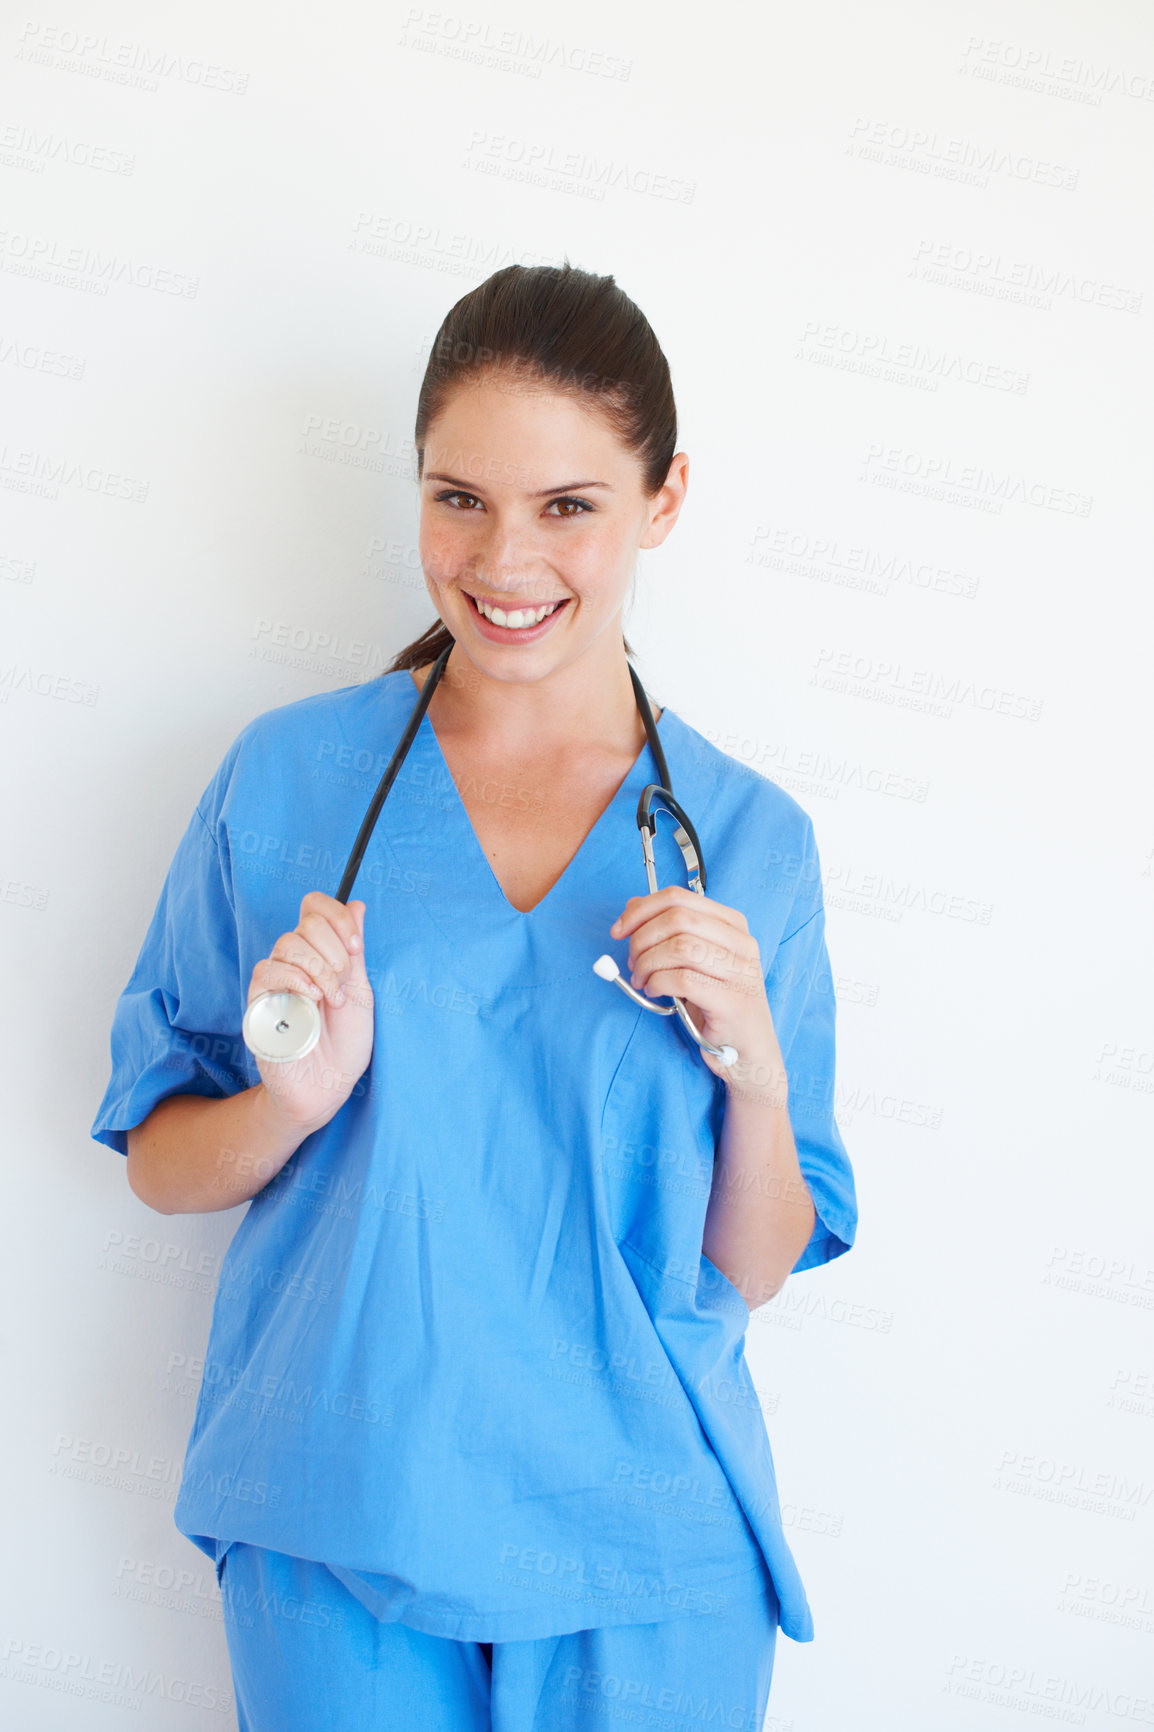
(532,436)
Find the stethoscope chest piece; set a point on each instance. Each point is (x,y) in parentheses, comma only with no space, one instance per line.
(279,1027)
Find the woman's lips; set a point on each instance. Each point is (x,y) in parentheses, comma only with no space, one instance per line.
(514,634)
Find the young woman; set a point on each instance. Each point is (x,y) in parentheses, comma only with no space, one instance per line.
(476,1443)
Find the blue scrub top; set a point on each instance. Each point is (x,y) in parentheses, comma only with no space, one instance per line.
(466,1347)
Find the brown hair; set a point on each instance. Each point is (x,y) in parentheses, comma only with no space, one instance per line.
(575,331)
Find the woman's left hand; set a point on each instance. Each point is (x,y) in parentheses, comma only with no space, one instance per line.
(688,946)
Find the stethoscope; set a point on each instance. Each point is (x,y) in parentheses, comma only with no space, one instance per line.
(280,1027)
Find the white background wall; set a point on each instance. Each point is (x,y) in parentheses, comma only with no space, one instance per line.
(900,259)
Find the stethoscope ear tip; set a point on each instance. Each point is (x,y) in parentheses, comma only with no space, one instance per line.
(606,968)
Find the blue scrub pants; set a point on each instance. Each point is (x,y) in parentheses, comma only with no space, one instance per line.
(307,1656)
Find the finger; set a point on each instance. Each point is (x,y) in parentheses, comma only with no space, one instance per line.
(688,984)
(673,959)
(344,944)
(317,930)
(714,965)
(713,947)
(641,908)
(702,923)
(352,972)
(294,948)
(356,943)
(342,917)
(280,976)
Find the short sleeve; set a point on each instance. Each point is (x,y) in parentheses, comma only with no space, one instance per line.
(799,986)
(176,1027)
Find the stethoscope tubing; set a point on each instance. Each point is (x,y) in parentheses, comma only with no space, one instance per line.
(353,865)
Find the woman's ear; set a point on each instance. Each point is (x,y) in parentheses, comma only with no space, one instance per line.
(667,502)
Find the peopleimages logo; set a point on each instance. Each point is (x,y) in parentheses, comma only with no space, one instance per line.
(929,152)
(460,254)
(479,43)
(881,680)
(937,476)
(1021,281)
(496,152)
(852,565)
(116,1683)
(230,1384)
(24,147)
(39,472)
(1065,75)
(878,356)
(890,898)
(83,268)
(122,61)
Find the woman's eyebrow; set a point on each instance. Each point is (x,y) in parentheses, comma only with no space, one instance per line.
(568,486)
(565,487)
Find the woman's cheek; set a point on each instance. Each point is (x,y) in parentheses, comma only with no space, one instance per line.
(441,554)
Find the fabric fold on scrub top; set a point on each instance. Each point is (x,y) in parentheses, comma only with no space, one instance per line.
(466,1347)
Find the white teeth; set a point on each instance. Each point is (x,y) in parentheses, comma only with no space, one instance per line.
(519,618)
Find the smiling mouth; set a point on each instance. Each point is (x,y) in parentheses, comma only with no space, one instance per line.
(517,619)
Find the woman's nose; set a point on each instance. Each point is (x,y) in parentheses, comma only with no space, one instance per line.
(509,562)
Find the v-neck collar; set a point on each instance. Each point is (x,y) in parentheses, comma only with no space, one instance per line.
(642,771)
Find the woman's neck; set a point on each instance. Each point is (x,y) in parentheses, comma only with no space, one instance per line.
(545,718)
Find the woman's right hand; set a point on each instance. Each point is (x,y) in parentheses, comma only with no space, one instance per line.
(324,958)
